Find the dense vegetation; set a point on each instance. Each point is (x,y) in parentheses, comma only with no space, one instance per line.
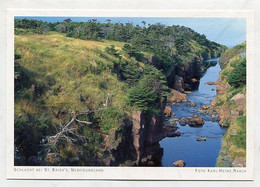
(232,105)
(237,77)
(95,74)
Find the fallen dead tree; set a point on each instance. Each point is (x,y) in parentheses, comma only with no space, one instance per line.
(67,133)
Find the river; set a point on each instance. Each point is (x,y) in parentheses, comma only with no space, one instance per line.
(186,147)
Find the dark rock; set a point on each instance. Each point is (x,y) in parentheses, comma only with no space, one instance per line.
(194,80)
(169,128)
(183,121)
(196,122)
(193,104)
(173,134)
(172,122)
(179,84)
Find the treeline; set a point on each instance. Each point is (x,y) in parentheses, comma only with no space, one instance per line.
(156,38)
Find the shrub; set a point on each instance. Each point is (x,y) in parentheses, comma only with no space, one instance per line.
(112,51)
(109,118)
(237,77)
(149,89)
(130,72)
(132,52)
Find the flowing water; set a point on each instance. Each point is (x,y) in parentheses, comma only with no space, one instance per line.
(195,153)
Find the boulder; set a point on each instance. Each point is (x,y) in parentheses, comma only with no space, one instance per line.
(195,115)
(205,107)
(239,162)
(172,122)
(201,138)
(239,99)
(168,129)
(210,83)
(173,134)
(194,80)
(184,120)
(193,104)
(196,122)
(176,97)
(213,116)
(200,110)
(179,163)
(240,110)
(167,111)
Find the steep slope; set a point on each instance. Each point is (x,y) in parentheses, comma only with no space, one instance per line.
(57,76)
(230,102)
(82,102)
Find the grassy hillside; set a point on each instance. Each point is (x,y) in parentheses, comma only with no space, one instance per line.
(231,104)
(94,82)
(56,76)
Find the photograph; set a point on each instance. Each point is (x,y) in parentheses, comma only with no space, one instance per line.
(130,91)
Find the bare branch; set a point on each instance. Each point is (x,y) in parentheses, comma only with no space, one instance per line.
(84,122)
(67,133)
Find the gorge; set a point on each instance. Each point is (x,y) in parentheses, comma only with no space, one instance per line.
(113,94)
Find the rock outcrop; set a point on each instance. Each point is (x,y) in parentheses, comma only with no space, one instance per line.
(179,163)
(179,84)
(194,121)
(168,111)
(176,97)
(147,132)
(239,99)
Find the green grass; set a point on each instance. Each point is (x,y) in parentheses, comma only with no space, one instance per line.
(234,141)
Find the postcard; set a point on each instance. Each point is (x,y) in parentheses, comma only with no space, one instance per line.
(136,95)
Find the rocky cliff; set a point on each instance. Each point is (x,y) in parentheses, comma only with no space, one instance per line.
(230,103)
(147,132)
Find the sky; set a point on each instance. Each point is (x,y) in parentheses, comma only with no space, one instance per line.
(226,31)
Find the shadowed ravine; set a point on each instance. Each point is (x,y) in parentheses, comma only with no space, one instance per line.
(186,147)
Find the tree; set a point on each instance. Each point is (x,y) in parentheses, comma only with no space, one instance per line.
(148,91)
(237,77)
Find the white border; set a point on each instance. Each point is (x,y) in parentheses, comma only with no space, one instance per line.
(131,173)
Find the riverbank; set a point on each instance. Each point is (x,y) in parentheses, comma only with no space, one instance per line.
(231,106)
(188,146)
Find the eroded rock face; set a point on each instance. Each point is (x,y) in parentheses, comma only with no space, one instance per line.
(119,146)
(138,133)
(147,132)
(224,117)
(179,84)
(221,87)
